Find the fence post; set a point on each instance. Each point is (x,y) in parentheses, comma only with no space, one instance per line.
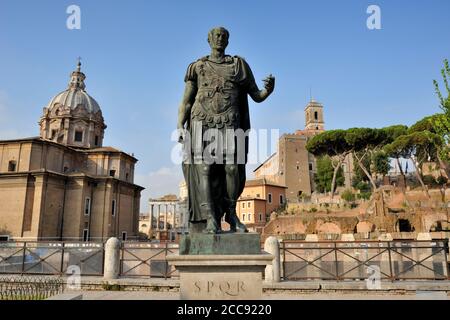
(272,246)
(112,259)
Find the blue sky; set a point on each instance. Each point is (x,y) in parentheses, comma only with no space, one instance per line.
(135,55)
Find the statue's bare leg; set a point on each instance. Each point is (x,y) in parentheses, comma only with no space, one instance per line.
(207,206)
(233,193)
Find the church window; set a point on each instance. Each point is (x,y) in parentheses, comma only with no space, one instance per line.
(316,115)
(124,235)
(79,136)
(269,196)
(281,199)
(12,166)
(113,208)
(87,207)
(126,176)
(96,141)
(243,204)
(86,235)
(53,135)
(112,173)
(260,217)
(248,204)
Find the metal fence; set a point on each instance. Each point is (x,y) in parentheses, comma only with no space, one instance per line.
(301,260)
(29,288)
(146,259)
(51,258)
(392,260)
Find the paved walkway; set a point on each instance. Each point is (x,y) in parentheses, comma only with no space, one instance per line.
(144,295)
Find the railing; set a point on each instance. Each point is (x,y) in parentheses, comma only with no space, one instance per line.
(85,258)
(301,260)
(392,260)
(29,288)
(146,259)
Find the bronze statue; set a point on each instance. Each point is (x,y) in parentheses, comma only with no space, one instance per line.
(215,105)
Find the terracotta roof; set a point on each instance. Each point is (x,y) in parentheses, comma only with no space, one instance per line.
(250,198)
(261,182)
(108,149)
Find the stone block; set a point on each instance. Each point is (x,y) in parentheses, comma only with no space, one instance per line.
(220,277)
(312,238)
(347,237)
(424,236)
(220,244)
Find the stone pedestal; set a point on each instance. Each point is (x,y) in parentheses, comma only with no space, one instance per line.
(226,266)
(220,277)
(223,243)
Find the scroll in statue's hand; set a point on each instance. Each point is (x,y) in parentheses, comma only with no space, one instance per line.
(269,83)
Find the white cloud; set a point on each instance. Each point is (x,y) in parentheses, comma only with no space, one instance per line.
(157,183)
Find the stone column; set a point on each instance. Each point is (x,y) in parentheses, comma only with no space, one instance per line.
(159,217)
(165,219)
(173,216)
(151,218)
(112,259)
(272,246)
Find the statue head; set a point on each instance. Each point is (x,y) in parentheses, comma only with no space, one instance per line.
(218,38)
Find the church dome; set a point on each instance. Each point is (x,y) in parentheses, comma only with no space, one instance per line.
(72,98)
(73,117)
(75,95)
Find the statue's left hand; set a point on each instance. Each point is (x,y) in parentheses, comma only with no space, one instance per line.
(269,83)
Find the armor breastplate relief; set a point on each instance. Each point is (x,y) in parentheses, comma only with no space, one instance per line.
(216,103)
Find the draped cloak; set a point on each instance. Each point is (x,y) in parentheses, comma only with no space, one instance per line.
(233,75)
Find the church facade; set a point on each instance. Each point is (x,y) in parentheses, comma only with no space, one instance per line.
(64,184)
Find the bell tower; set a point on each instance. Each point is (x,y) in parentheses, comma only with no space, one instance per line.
(314,116)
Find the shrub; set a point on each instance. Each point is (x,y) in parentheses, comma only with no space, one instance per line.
(441,180)
(347,195)
(429,180)
(364,195)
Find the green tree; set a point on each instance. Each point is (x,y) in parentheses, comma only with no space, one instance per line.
(363,142)
(392,133)
(381,164)
(324,176)
(332,143)
(416,147)
(348,196)
(441,122)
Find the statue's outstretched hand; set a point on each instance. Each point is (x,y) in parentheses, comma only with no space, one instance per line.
(269,83)
(181,135)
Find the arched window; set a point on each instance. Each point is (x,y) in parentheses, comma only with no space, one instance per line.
(316,115)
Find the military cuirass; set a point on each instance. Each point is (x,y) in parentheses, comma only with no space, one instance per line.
(217,101)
